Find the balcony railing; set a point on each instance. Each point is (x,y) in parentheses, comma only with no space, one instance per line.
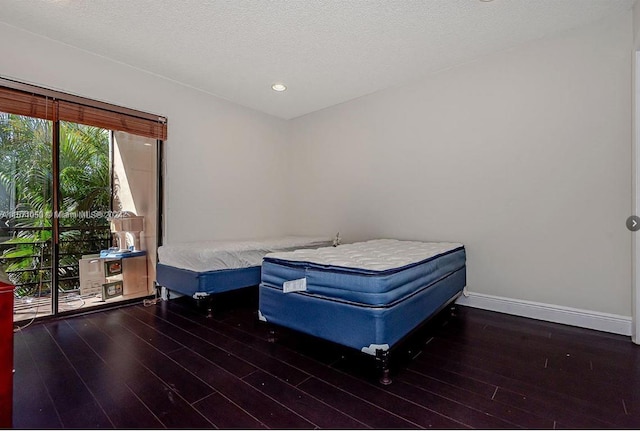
(35,280)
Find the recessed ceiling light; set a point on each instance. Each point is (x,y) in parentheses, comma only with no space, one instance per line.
(279,87)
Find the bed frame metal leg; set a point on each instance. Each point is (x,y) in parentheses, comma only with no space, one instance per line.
(273,337)
(209,305)
(382,357)
(205,302)
(453,310)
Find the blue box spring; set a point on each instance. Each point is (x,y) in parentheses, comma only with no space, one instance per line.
(200,284)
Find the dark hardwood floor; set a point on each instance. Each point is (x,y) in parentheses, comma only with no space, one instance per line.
(167,366)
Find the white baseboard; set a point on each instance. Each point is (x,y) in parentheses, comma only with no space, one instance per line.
(546,312)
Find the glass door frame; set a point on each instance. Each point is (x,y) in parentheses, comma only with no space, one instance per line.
(55,210)
(34,101)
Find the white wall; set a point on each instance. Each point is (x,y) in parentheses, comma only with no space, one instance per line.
(524,156)
(224,169)
(636,24)
(635,253)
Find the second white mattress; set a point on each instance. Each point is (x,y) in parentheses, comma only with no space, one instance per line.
(219,255)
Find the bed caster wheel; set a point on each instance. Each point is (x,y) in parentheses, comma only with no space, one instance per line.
(453,311)
(384,379)
(272,336)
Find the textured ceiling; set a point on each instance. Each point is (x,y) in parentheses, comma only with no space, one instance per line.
(326,52)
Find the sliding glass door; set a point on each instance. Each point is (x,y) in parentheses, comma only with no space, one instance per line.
(32,259)
(44,240)
(26,203)
(79,200)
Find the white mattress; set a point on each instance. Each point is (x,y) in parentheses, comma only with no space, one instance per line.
(219,255)
(372,255)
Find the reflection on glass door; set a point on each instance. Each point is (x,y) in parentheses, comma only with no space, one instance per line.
(108,190)
(26,190)
(135,176)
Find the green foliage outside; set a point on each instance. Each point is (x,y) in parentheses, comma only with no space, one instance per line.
(85,197)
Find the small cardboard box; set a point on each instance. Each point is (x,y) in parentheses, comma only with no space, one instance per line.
(111,290)
(112,268)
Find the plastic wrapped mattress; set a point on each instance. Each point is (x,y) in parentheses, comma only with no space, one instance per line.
(198,269)
(220,255)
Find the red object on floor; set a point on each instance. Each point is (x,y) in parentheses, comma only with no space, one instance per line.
(6,355)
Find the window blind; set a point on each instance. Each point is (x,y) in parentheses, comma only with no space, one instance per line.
(91,116)
(29,100)
(16,102)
